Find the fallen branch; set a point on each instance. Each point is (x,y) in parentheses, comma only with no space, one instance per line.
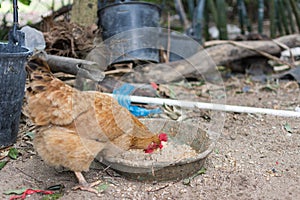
(265,54)
(205,61)
(202,63)
(226,52)
(84,68)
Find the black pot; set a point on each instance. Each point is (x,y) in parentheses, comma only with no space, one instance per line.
(126,16)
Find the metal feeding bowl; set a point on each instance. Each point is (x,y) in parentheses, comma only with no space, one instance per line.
(171,162)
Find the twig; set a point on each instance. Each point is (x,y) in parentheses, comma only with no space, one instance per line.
(106,168)
(286,48)
(281,45)
(28,129)
(160,188)
(164,186)
(29,175)
(117,71)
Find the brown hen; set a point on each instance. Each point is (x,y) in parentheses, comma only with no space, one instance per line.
(75,126)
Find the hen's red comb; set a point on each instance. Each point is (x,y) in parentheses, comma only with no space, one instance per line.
(149,150)
(163,137)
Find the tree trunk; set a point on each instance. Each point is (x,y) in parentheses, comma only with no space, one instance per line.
(84,12)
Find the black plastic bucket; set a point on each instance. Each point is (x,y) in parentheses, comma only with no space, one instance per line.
(12,86)
(124,16)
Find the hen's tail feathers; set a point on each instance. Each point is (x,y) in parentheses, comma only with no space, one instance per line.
(39,75)
(38,69)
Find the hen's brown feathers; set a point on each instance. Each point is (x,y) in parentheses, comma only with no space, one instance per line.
(78,124)
(62,146)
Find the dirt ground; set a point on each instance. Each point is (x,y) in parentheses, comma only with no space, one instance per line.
(256,157)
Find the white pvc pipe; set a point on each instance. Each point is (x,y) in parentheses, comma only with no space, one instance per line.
(212,106)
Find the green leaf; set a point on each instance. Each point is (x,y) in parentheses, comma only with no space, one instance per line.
(186,181)
(52,196)
(201,171)
(16,191)
(102,187)
(288,128)
(268,88)
(13,153)
(30,134)
(25,2)
(2,164)
(217,151)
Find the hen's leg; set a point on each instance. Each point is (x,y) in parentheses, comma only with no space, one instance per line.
(83,185)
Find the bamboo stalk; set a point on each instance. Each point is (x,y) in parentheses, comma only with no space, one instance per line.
(182,14)
(244,16)
(260,16)
(222,19)
(290,16)
(248,23)
(206,23)
(283,17)
(272,19)
(212,8)
(278,20)
(241,18)
(296,12)
(198,20)
(191,7)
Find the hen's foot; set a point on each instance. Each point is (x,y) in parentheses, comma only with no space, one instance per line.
(88,187)
(83,185)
